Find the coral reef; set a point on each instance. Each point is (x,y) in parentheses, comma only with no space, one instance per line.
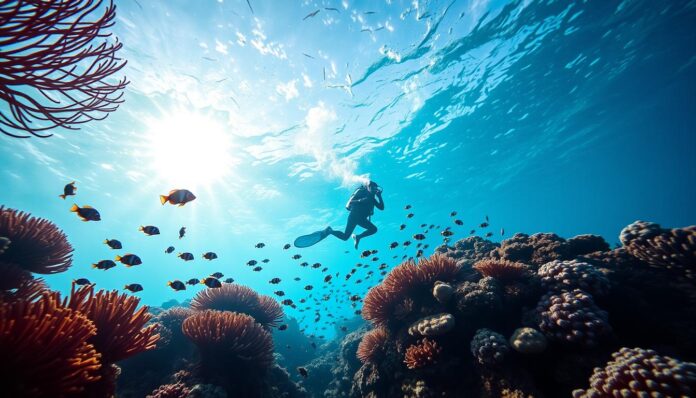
(433,325)
(37,246)
(425,353)
(501,269)
(641,373)
(528,341)
(568,275)
(572,317)
(241,299)
(478,298)
(372,345)
(442,292)
(4,244)
(469,250)
(541,248)
(175,390)
(489,348)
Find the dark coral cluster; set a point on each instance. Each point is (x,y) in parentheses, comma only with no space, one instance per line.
(654,245)
(489,348)
(541,248)
(572,317)
(568,275)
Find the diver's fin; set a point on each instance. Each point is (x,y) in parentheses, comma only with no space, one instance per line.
(163,199)
(74,208)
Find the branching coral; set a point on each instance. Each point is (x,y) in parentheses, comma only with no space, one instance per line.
(669,248)
(229,337)
(501,269)
(489,348)
(641,373)
(52,73)
(424,354)
(237,298)
(572,317)
(45,349)
(568,275)
(372,345)
(38,245)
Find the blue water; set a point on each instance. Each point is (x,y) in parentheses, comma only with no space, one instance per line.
(566,117)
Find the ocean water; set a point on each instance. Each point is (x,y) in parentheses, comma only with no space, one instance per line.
(553,116)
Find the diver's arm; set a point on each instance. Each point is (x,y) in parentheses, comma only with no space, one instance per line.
(379,203)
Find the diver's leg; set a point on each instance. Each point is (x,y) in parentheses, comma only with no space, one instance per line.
(350,227)
(370,229)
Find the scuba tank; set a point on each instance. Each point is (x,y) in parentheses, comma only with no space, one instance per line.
(359,193)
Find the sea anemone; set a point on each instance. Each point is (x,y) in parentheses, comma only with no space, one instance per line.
(572,317)
(489,348)
(501,269)
(423,354)
(669,248)
(45,349)
(229,338)
(172,318)
(568,275)
(378,304)
(372,346)
(241,299)
(37,245)
(402,277)
(437,267)
(641,373)
(18,284)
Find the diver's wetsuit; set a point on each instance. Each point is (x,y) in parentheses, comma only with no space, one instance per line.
(361,206)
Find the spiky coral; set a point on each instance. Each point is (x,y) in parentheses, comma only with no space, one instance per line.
(426,353)
(237,298)
(641,373)
(18,284)
(229,338)
(372,345)
(45,349)
(501,269)
(38,245)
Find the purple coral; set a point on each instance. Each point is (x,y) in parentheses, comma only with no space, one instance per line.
(669,248)
(635,372)
(489,348)
(572,317)
(567,275)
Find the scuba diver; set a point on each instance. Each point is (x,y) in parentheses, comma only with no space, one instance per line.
(361,206)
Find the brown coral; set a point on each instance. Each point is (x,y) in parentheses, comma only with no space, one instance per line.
(237,298)
(669,248)
(541,248)
(426,353)
(229,337)
(372,345)
(45,349)
(176,390)
(37,245)
(501,269)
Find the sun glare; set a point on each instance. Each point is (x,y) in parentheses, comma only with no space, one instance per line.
(189,149)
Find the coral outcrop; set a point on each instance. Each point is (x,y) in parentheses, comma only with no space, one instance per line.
(528,341)
(572,317)
(568,275)
(433,325)
(489,348)
(654,245)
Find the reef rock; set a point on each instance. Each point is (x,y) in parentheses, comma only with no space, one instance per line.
(433,325)
(442,292)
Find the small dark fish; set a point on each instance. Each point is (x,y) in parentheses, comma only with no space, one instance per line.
(459,222)
(229,280)
(407,243)
(344,328)
(149,230)
(303,371)
(129,260)
(217,275)
(419,253)
(489,234)
(279,293)
(211,282)
(409,215)
(327,278)
(182,232)
(365,253)
(283,327)
(402,227)
(308,287)
(297,257)
(473,231)
(358,312)
(297,278)
(134,287)
(423,225)
(316,265)
(178,197)
(193,281)
(304,264)
(82,281)
(418,236)
(265,261)
(86,213)
(186,256)
(169,250)
(446,233)
(251,263)
(452,214)
(177,285)
(260,245)
(113,243)
(210,256)
(407,207)
(287,246)
(486,218)
(370,12)
(483,225)
(286,302)
(68,190)
(502,231)
(311,14)
(332,9)
(274,281)
(355,297)
(257,269)
(393,245)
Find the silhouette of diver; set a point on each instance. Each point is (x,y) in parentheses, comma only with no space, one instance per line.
(361,206)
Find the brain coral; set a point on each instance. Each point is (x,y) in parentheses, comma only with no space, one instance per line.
(641,373)
(572,317)
(568,275)
(489,348)
(433,325)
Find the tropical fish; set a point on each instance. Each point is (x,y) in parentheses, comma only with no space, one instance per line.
(287,246)
(502,231)
(257,269)
(282,327)
(86,213)
(473,231)
(251,263)
(297,278)
(229,280)
(274,281)
(446,232)
(186,256)
(316,265)
(104,264)
(452,214)
(193,281)
(113,243)
(327,278)
(149,230)
(286,302)
(418,236)
(177,285)
(402,227)
(68,190)
(483,225)
(169,250)
(279,293)
(297,257)
(486,218)
(407,207)
(409,215)
(211,282)
(260,245)
(178,197)
(365,253)
(407,243)
(209,256)
(265,261)
(217,275)
(182,232)
(489,234)
(82,281)
(129,260)
(308,287)
(419,253)
(459,222)
(393,245)
(133,287)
